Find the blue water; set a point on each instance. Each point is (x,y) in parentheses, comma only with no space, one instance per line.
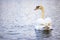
(17,18)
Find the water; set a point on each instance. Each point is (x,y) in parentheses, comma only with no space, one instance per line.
(14,15)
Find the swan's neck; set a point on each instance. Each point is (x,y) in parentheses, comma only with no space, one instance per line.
(42,15)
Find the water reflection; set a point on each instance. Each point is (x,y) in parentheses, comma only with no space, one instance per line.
(41,34)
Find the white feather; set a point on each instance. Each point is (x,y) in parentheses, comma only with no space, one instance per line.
(41,23)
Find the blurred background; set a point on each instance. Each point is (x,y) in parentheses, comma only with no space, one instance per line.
(17,18)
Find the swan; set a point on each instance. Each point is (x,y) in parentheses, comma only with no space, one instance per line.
(43,23)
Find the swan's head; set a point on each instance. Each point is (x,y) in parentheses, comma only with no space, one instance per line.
(39,7)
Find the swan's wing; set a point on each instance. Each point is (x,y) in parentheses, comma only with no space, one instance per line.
(48,20)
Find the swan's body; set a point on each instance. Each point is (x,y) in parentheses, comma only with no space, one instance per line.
(43,23)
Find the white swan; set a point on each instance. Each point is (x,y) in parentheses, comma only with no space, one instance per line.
(43,23)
